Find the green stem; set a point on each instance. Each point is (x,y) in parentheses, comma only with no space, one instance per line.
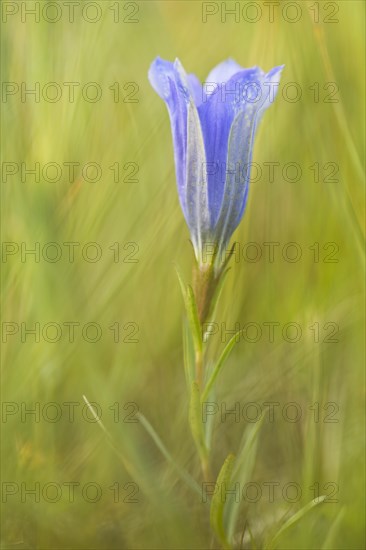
(206,470)
(206,288)
(204,284)
(199,369)
(204,457)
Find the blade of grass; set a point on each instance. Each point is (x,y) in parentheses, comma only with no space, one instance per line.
(185,476)
(333,530)
(181,282)
(126,463)
(218,504)
(294,519)
(243,469)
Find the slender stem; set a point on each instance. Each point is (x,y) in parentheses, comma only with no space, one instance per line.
(199,369)
(206,470)
(204,458)
(205,284)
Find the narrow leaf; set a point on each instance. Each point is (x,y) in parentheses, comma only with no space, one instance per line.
(220,363)
(193,319)
(128,464)
(243,469)
(195,421)
(188,355)
(217,294)
(251,537)
(191,310)
(328,543)
(209,424)
(218,503)
(186,477)
(181,283)
(295,518)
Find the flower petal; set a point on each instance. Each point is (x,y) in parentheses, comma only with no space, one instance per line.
(223,71)
(166,79)
(198,216)
(237,178)
(217,114)
(270,83)
(196,89)
(239,156)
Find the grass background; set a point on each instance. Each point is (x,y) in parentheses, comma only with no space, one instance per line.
(149,372)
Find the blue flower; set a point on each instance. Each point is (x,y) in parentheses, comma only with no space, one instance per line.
(213,130)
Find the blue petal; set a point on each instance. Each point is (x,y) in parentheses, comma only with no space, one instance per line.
(240,149)
(180,93)
(196,89)
(166,80)
(224,71)
(198,215)
(217,114)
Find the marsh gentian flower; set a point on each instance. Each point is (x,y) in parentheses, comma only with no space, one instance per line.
(213,130)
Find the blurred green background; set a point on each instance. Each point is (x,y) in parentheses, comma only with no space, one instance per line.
(143,296)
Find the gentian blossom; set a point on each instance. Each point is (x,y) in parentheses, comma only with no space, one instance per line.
(213,129)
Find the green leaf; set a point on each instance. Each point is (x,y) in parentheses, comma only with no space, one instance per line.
(128,463)
(192,312)
(185,476)
(220,363)
(209,424)
(294,519)
(252,539)
(188,355)
(243,469)
(217,294)
(195,422)
(251,536)
(181,283)
(328,543)
(218,504)
(193,319)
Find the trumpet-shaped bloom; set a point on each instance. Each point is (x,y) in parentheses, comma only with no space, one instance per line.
(213,129)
